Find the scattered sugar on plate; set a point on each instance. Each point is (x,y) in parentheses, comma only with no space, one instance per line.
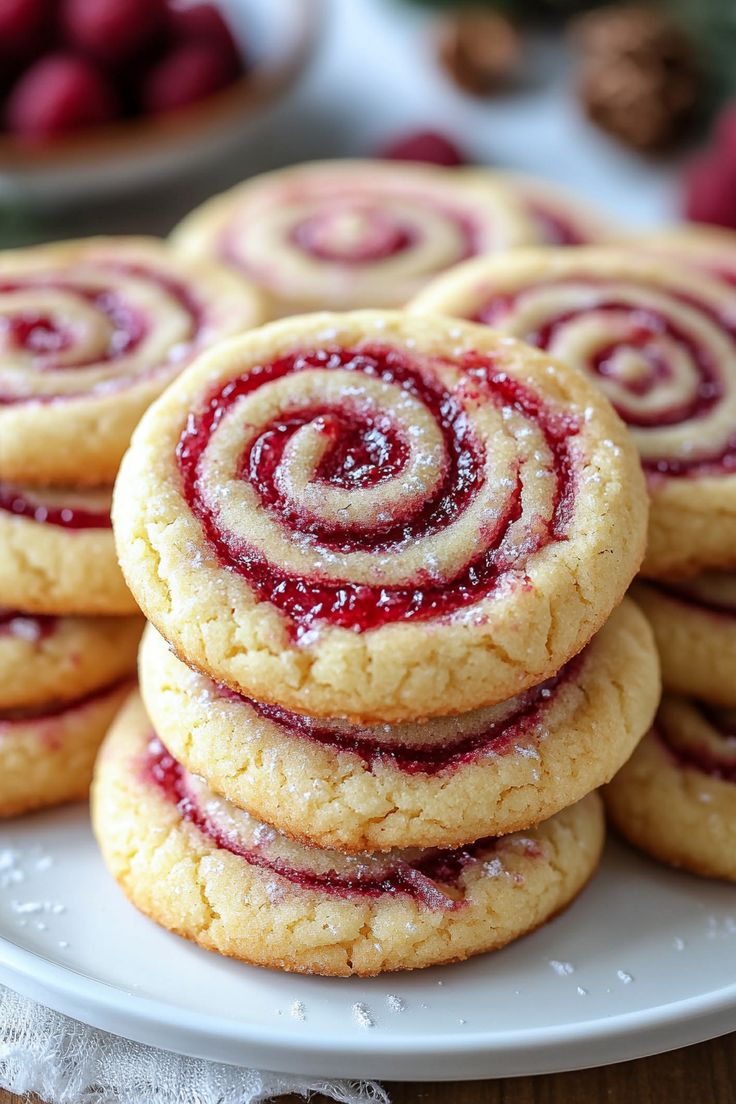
(297,1010)
(562,969)
(624,977)
(395,1004)
(678,943)
(363,1015)
(581,991)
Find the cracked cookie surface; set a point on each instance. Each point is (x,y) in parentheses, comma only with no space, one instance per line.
(379,517)
(210,872)
(438,783)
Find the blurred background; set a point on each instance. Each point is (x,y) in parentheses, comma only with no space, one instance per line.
(121,115)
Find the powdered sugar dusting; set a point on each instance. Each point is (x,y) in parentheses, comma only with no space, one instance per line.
(363,1015)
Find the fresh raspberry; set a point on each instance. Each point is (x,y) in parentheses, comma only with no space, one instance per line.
(185,75)
(57,94)
(25,26)
(424,145)
(112,31)
(710,191)
(725,134)
(202,23)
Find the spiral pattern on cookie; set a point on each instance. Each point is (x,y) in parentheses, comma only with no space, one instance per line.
(353,233)
(64,507)
(87,319)
(358,487)
(434,878)
(699,736)
(661,346)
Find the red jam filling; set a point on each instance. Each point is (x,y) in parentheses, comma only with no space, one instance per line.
(21,504)
(360,443)
(352,235)
(26,626)
(703,759)
(647,327)
(47,337)
(421,879)
(496,738)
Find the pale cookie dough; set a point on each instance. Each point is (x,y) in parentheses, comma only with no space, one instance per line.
(210,872)
(694,622)
(337,235)
(91,331)
(659,340)
(56,659)
(58,552)
(379,517)
(437,784)
(47,754)
(710,248)
(676,797)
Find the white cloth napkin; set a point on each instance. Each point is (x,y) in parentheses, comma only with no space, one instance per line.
(66,1062)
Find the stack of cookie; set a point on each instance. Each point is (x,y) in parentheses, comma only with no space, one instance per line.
(90,333)
(658,338)
(382,558)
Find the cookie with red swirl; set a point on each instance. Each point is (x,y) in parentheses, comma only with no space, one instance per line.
(47,751)
(676,796)
(210,872)
(558,215)
(58,553)
(437,784)
(91,331)
(378,516)
(57,659)
(694,622)
(660,340)
(343,234)
(710,248)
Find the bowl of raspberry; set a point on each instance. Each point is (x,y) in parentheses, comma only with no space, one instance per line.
(97,96)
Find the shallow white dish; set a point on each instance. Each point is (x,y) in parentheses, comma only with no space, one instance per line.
(643,962)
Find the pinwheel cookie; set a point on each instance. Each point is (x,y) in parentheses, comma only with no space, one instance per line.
(58,553)
(210,872)
(379,517)
(710,248)
(60,659)
(343,234)
(61,683)
(694,622)
(90,332)
(558,216)
(441,783)
(659,340)
(676,797)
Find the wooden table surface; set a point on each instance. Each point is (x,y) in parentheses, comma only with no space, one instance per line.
(704,1074)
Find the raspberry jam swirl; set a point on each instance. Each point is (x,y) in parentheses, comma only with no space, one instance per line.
(27,627)
(699,737)
(65,508)
(438,746)
(433,879)
(91,326)
(713,591)
(360,487)
(327,235)
(663,350)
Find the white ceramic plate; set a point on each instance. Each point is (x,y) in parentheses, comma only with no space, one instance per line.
(645,961)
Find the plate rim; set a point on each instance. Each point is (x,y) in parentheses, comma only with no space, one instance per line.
(153,1022)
